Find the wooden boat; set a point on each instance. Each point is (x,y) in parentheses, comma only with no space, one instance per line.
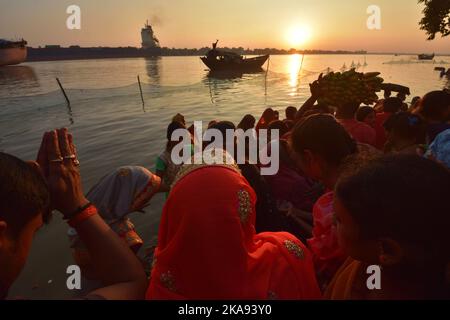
(217,60)
(12,52)
(426,56)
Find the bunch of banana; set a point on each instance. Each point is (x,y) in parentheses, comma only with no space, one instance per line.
(337,89)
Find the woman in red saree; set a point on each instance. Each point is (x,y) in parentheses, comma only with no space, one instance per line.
(208,247)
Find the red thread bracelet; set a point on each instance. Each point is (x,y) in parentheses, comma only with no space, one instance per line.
(82,216)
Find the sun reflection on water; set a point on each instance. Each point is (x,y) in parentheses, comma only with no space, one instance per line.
(294,69)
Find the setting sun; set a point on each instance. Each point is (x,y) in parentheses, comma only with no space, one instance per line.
(298,35)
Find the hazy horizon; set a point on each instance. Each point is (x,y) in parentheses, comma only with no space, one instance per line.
(283,24)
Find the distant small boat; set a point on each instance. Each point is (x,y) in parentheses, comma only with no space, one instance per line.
(426,56)
(217,60)
(12,52)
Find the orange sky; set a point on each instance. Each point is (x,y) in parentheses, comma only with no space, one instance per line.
(333,24)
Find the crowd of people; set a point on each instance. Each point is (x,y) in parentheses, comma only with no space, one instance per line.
(357,186)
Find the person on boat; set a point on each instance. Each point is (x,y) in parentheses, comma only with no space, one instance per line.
(30,191)
(380,222)
(360,131)
(390,106)
(116,195)
(435,109)
(322,144)
(164,167)
(406,133)
(247,122)
(212,54)
(208,248)
(367,115)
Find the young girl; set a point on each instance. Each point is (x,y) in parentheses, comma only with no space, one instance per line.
(367,115)
(165,168)
(406,133)
(394,213)
(322,144)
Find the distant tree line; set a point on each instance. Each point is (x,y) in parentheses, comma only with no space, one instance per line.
(240,50)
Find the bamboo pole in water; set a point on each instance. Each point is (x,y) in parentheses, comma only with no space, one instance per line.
(140,90)
(63,91)
(267,72)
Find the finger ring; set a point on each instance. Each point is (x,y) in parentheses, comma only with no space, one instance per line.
(70,156)
(60,159)
(76,162)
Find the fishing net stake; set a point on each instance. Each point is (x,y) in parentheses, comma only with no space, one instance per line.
(63,91)
(265,80)
(140,90)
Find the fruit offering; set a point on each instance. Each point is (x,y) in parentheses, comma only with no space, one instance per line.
(337,89)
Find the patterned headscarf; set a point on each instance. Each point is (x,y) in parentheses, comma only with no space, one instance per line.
(123,191)
(208,247)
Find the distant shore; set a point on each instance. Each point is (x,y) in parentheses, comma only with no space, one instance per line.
(56,53)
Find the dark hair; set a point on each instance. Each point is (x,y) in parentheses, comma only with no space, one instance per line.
(392,105)
(247,122)
(415,100)
(172,127)
(24,193)
(269,114)
(222,126)
(363,112)
(322,134)
(405,198)
(348,110)
(324,108)
(279,125)
(170,130)
(291,112)
(434,106)
(407,126)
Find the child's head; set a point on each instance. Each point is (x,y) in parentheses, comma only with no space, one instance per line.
(392,105)
(321,144)
(404,130)
(175,125)
(280,126)
(367,115)
(435,106)
(347,110)
(290,113)
(395,212)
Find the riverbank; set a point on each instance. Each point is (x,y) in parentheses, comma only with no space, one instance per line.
(57,53)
